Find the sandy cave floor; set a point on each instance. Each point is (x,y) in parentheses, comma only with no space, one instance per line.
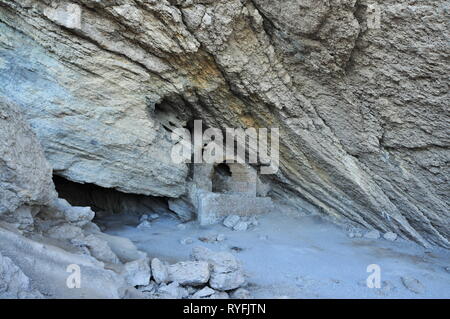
(299,257)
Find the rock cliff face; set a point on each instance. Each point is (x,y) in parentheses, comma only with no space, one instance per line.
(25,175)
(362,107)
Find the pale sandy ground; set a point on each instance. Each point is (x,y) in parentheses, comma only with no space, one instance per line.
(301,257)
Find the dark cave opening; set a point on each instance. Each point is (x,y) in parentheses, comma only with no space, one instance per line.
(108,201)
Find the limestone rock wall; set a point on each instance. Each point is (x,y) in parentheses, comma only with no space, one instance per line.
(25,175)
(362,109)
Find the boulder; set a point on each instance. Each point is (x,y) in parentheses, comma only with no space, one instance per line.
(191,273)
(137,272)
(373,234)
(159,271)
(171,291)
(100,249)
(231,221)
(226,270)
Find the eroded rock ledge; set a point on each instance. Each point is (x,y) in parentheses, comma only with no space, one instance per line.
(363,112)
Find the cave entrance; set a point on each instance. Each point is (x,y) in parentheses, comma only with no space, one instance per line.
(108,201)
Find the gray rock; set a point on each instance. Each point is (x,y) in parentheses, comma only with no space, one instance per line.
(25,175)
(192,273)
(390,236)
(413,285)
(145,225)
(100,249)
(373,234)
(241,293)
(153,216)
(143,218)
(219,295)
(240,226)
(227,281)
(226,272)
(65,232)
(231,221)
(171,291)
(122,247)
(14,283)
(202,293)
(137,273)
(182,208)
(159,271)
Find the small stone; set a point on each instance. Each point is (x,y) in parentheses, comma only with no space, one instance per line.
(137,272)
(413,285)
(447,269)
(253,221)
(390,236)
(154,216)
(241,293)
(181,226)
(192,273)
(373,234)
(240,226)
(143,218)
(186,241)
(205,292)
(144,225)
(191,290)
(150,288)
(220,237)
(172,291)
(219,295)
(159,271)
(231,221)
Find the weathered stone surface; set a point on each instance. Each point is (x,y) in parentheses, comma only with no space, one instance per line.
(202,293)
(65,231)
(390,236)
(241,293)
(122,247)
(413,285)
(231,221)
(362,109)
(137,272)
(213,207)
(25,175)
(182,209)
(373,234)
(14,283)
(159,271)
(46,264)
(171,291)
(226,272)
(100,249)
(191,273)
